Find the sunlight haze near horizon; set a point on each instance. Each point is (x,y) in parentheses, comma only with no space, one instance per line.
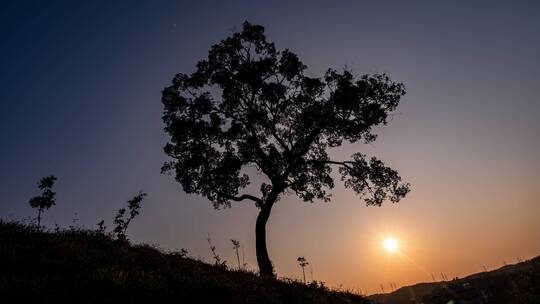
(80,99)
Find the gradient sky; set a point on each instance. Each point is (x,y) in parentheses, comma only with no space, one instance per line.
(80,98)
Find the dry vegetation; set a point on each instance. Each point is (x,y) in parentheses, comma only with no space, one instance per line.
(90,266)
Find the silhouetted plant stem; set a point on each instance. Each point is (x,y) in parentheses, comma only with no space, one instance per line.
(236,245)
(238,258)
(39,218)
(243,259)
(303,263)
(215,256)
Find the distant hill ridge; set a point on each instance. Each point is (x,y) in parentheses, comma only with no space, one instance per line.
(516,283)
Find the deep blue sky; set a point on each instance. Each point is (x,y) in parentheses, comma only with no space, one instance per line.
(80,98)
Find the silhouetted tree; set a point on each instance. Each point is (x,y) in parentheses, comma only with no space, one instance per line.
(122,222)
(46,199)
(303,263)
(249,105)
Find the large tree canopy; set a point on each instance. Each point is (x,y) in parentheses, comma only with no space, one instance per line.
(250,105)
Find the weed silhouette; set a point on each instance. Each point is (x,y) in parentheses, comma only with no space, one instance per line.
(121,221)
(303,263)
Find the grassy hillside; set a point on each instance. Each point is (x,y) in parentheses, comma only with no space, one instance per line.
(519,284)
(90,267)
(405,295)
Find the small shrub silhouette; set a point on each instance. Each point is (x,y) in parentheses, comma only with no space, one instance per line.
(101,228)
(46,199)
(122,222)
(183,253)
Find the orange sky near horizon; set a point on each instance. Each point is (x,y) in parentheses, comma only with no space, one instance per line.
(455,220)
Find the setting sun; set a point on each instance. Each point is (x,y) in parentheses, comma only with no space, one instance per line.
(390,245)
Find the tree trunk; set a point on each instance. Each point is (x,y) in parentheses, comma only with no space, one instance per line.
(265,265)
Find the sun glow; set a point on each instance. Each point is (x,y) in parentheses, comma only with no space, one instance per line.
(390,245)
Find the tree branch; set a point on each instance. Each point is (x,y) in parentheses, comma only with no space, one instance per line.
(330,162)
(244,197)
(239,198)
